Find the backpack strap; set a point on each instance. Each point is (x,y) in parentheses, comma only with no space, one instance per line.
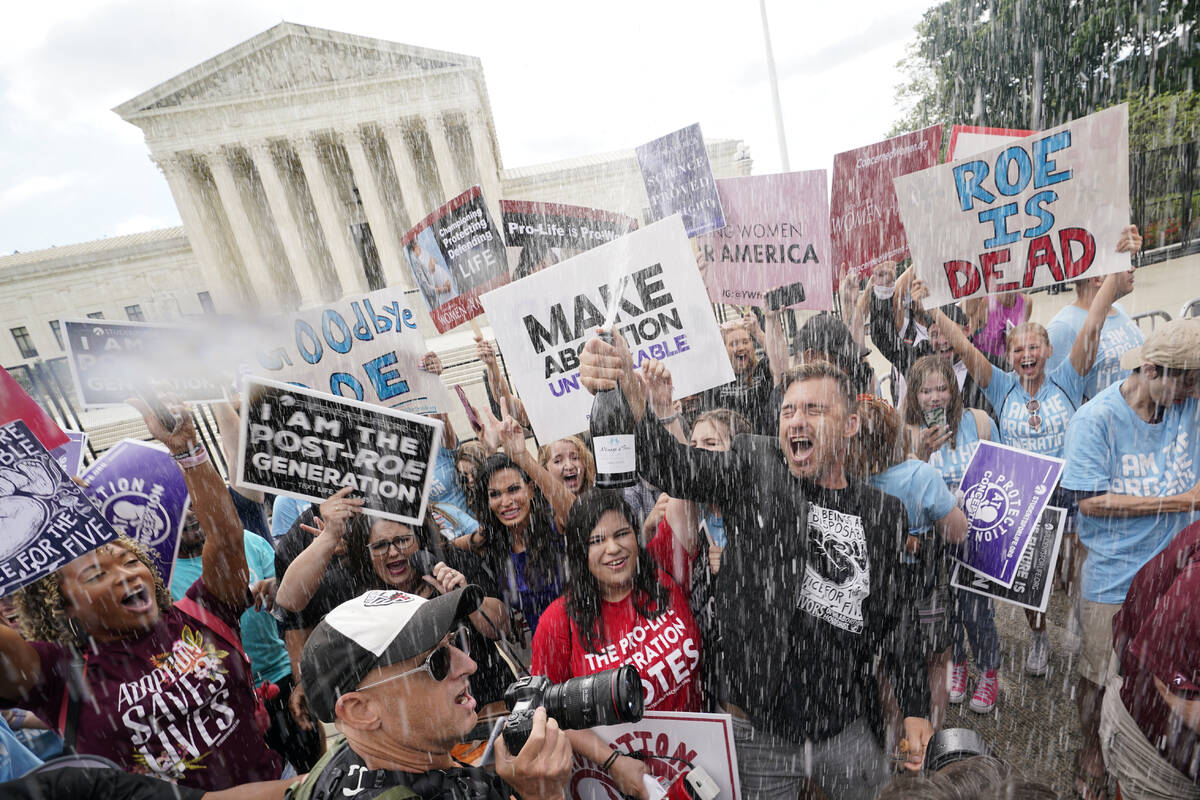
(74,689)
(199,613)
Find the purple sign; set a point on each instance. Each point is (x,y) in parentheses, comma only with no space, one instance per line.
(1004,492)
(70,455)
(140,490)
(679,180)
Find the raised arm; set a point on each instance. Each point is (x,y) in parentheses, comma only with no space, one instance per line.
(303,575)
(977,363)
(774,343)
(20,667)
(848,293)
(1087,343)
(230,429)
(659,387)
(512,439)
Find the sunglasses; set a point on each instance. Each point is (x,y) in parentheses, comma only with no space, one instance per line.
(401,543)
(1032,407)
(437,663)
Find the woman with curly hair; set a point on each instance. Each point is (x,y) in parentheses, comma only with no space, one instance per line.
(619,608)
(569,460)
(161,689)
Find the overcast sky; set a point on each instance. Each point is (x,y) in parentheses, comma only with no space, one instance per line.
(565,79)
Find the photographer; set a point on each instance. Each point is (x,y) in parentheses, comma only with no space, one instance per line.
(388,670)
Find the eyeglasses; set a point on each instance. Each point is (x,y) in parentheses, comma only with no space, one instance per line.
(1032,407)
(401,543)
(437,663)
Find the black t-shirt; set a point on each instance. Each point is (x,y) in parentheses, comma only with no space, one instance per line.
(492,676)
(338,584)
(750,398)
(90,783)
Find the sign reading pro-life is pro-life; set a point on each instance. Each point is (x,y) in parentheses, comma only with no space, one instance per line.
(1040,211)
(543,321)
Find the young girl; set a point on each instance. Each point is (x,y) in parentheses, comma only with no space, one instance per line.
(571,462)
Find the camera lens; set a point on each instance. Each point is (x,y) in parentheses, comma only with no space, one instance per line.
(605,698)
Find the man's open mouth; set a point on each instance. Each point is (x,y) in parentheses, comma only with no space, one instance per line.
(801,447)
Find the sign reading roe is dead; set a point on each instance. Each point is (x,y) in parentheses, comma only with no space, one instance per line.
(1043,210)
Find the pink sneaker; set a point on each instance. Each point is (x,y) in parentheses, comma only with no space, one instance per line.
(984,699)
(958,682)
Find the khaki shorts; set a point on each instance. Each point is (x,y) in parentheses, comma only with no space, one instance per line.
(1096,656)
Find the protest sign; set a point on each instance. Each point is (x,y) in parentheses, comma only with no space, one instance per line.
(455,255)
(1035,572)
(968,140)
(308,445)
(366,347)
(45,519)
(70,455)
(110,359)
(679,180)
(140,490)
(15,403)
(1004,491)
(1040,211)
(705,740)
(776,233)
(543,321)
(546,233)
(864,218)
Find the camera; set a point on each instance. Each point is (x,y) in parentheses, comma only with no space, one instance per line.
(605,698)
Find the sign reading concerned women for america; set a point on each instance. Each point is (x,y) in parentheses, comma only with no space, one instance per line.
(542,323)
(1040,211)
(308,445)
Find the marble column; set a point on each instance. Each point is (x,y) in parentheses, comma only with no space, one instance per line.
(346,260)
(453,184)
(406,172)
(485,162)
(307,277)
(244,235)
(395,266)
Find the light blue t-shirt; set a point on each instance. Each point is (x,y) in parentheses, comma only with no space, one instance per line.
(1060,394)
(922,490)
(260,636)
(284,513)
(1111,449)
(15,758)
(1119,334)
(953,457)
(445,490)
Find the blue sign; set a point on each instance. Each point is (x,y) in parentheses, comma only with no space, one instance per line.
(1004,491)
(679,180)
(45,519)
(141,492)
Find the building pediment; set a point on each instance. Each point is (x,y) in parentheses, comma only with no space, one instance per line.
(290,58)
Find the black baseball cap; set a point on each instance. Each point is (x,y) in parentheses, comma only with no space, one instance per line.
(825,333)
(375,629)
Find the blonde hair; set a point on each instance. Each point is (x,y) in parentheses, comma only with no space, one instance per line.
(588,476)
(1025,327)
(734,327)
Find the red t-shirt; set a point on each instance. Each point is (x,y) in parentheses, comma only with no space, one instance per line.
(1157,634)
(174,703)
(671,555)
(666,650)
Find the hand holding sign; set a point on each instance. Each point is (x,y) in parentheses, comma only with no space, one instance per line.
(178,440)
(1130,241)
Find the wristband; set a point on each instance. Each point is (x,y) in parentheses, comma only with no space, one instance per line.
(192,459)
(194,450)
(607,765)
(668,420)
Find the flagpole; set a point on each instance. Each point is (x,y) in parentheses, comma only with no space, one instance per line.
(783,151)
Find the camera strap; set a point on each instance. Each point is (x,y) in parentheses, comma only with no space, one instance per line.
(344,775)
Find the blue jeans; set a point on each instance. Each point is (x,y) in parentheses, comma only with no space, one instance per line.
(974,613)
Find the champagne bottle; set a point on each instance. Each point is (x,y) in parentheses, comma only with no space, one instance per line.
(613,437)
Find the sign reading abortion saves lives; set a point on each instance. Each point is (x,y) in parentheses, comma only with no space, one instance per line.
(1039,211)
(308,445)
(543,321)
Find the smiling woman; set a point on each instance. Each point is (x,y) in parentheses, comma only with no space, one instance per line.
(570,461)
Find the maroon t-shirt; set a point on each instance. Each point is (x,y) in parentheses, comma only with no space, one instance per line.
(174,702)
(1157,634)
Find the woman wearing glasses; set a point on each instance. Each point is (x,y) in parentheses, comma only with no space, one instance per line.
(619,608)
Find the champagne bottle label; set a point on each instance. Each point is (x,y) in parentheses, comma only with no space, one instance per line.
(615,454)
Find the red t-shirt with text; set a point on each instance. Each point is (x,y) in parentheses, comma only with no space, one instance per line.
(665,650)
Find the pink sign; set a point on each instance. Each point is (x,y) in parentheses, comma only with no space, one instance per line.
(776,234)
(863,214)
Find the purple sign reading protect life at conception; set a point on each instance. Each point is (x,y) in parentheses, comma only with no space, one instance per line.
(1004,491)
(141,492)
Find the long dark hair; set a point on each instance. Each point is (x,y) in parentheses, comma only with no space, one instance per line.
(358,537)
(583,594)
(495,546)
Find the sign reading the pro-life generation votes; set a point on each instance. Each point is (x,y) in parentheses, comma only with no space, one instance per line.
(45,519)
(863,213)
(1040,211)
(140,490)
(456,254)
(1004,492)
(1035,572)
(776,233)
(109,359)
(543,321)
(365,347)
(679,180)
(308,445)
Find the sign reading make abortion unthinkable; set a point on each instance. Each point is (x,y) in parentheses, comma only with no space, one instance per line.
(365,347)
(45,519)
(543,321)
(679,180)
(140,490)
(863,214)
(545,233)
(776,233)
(456,254)
(1040,211)
(1004,492)
(308,445)
(1035,572)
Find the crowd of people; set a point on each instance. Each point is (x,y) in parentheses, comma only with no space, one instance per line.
(783,559)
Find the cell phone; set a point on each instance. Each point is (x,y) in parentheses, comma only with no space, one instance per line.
(935,417)
(472,417)
(156,405)
(785,296)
